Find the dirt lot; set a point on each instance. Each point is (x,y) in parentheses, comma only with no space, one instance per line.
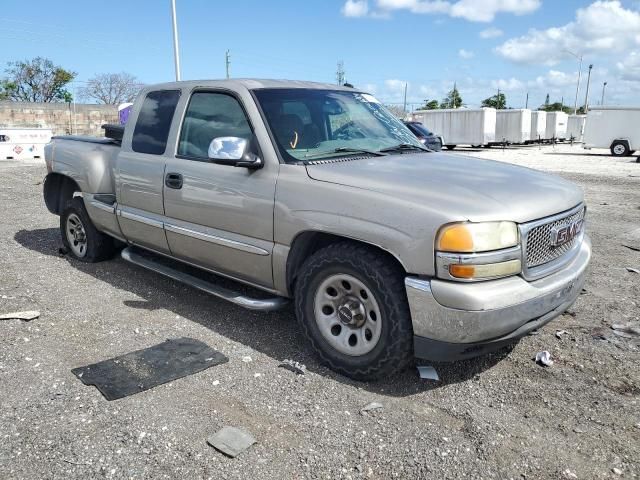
(500,416)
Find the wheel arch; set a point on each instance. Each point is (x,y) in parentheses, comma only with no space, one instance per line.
(57,190)
(309,242)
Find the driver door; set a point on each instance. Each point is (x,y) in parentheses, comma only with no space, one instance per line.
(219,216)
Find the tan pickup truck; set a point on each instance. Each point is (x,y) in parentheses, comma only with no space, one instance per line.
(317,193)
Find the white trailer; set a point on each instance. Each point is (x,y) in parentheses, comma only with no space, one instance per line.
(513,126)
(538,126)
(575,127)
(23,143)
(460,126)
(615,128)
(556,126)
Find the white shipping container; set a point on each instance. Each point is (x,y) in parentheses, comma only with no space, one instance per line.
(460,126)
(22,143)
(556,125)
(616,128)
(538,125)
(513,126)
(575,127)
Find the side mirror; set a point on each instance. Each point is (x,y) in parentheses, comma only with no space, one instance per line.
(234,151)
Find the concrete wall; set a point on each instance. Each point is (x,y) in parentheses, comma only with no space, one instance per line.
(86,120)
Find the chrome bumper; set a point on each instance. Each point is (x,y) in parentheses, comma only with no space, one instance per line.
(469,313)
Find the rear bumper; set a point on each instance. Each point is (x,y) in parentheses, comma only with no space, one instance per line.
(461,320)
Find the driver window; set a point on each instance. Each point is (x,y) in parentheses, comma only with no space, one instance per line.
(211,115)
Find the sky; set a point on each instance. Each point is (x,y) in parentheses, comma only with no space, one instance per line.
(517,46)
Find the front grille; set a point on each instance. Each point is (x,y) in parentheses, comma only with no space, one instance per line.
(538,247)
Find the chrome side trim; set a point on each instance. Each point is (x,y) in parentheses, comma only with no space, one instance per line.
(444,259)
(139,218)
(103,206)
(267,304)
(225,242)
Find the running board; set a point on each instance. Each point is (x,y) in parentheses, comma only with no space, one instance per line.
(267,304)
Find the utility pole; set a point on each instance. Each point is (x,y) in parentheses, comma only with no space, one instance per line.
(404,105)
(227,62)
(586,97)
(579,57)
(498,100)
(340,73)
(604,85)
(526,102)
(176,53)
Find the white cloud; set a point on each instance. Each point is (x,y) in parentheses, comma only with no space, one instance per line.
(466,54)
(604,27)
(507,85)
(472,10)
(629,68)
(355,8)
(554,79)
(491,32)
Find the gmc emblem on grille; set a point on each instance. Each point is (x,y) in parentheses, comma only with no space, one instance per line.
(564,234)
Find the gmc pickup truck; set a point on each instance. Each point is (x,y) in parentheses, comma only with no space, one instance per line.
(318,194)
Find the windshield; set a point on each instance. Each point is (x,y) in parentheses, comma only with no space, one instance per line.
(311,124)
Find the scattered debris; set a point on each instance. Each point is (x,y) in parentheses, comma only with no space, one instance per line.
(256,375)
(370,406)
(544,358)
(627,331)
(534,332)
(617,471)
(569,474)
(560,333)
(633,270)
(26,316)
(428,372)
(215,383)
(246,359)
(295,367)
(631,247)
(231,441)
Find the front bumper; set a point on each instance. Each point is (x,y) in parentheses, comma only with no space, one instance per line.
(454,320)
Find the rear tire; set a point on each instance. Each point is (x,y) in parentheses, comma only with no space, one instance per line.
(80,236)
(620,148)
(450,147)
(352,307)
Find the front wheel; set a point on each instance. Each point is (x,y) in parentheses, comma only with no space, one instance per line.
(80,236)
(352,307)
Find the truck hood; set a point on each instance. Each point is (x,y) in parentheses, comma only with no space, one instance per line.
(458,186)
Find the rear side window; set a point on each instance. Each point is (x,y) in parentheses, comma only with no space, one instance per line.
(154,122)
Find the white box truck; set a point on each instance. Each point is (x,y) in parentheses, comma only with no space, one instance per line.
(575,127)
(461,126)
(615,128)
(513,126)
(556,126)
(538,126)
(23,143)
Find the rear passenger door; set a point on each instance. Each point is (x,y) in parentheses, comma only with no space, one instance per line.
(219,216)
(140,171)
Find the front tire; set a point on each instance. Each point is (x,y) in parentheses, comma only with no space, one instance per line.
(620,148)
(80,236)
(352,307)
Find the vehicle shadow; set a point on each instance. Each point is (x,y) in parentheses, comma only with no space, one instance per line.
(275,334)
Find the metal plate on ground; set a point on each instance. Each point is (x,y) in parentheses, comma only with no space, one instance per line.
(141,370)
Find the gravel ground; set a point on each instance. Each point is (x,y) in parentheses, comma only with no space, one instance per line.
(499,416)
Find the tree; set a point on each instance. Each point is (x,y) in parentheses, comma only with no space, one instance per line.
(498,101)
(430,105)
(556,107)
(36,80)
(111,88)
(452,100)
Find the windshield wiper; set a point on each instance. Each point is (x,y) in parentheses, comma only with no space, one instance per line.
(404,147)
(375,153)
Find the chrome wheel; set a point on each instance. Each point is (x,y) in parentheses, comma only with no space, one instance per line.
(347,315)
(76,236)
(619,149)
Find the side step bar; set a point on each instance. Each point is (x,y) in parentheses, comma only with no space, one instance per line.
(267,304)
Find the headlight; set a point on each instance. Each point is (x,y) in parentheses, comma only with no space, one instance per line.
(477,237)
(478,251)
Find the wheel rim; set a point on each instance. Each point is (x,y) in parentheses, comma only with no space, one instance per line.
(618,149)
(76,235)
(348,315)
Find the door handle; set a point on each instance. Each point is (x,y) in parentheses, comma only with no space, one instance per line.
(173,180)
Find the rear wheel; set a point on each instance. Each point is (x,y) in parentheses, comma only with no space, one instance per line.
(80,237)
(352,307)
(620,148)
(450,147)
